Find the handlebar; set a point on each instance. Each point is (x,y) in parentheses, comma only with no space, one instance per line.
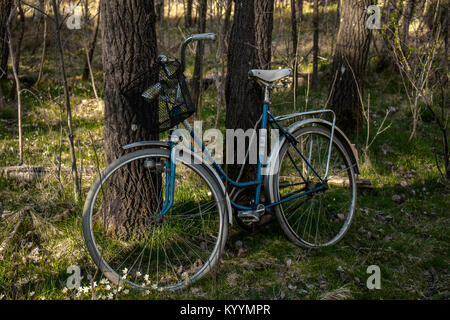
(191,38)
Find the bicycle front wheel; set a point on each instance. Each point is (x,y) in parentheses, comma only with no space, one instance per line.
(131,245)
(318,218)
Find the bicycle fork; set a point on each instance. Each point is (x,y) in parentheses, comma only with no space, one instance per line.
(170,179)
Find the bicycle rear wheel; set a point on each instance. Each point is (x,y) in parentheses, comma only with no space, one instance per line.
(320,218)
(127,241)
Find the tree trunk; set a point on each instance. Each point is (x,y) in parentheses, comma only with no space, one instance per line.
(244,97)
(407,15)
(91,48)
(197,77)
(263,32)
(129,49)
(299,10)
(5,9)
(44,49)
(16,82)
(188,16)
(294,35)
(76,185)
(18,47)
(37,13)
(315,73)
(349,63)
(21,34)
(294,30)
(389,19)
(159,10)
(227,21)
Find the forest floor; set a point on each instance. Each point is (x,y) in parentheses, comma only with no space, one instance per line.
(401,225)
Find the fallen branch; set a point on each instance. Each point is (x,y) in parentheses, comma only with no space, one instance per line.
(29,173)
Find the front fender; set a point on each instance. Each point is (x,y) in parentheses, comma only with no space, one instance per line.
(151,143)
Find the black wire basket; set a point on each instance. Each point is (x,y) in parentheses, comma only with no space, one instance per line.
(164,91)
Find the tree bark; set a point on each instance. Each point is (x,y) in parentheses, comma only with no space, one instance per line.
(21,34)
(44,49)
(5,9)
(16,83)
(198,66)
(407,15)
(244,97)
(315,73)
(294,28)
(76,185)
(188,16)
(263,32)
(294,35)
(159,10)
(299,10)
(37,14)
(349,64)
(389,21)
(227,22)
(129,49)
(91,47)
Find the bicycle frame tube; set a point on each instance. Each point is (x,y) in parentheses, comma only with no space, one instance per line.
(171,164)
(256,183)
(170,178)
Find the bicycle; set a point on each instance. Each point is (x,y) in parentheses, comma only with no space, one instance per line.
(179,200)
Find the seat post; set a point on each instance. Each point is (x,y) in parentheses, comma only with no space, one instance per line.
(267,93)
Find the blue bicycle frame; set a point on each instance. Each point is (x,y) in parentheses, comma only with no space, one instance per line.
(171,165)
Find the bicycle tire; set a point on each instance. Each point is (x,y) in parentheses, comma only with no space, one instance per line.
(291,221)
(219,221)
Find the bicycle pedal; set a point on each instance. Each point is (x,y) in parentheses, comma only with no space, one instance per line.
(252,215)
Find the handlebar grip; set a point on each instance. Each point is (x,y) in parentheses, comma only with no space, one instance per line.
(203,36)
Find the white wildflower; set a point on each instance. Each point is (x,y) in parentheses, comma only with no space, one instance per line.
(146,277)
(138,274)
(108,287)
(64,290)
(125,271)
(110,296)
(126,291)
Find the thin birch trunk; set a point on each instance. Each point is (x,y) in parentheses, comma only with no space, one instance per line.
(76,189)
(17,84)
